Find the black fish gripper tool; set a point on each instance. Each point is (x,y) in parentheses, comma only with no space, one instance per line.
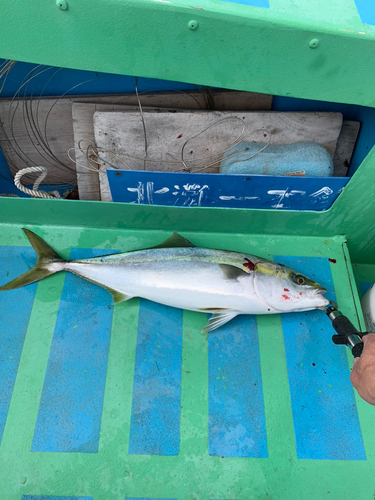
(347,333)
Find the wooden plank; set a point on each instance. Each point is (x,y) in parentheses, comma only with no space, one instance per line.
(345,147)
(122,134)
(220,100)
(23,134)
(89,181)
(83,128)
(30,128)
(93,185)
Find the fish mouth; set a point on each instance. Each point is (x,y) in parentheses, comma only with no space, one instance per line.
(318,290)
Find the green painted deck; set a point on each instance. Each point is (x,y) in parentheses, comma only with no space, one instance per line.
(112,472)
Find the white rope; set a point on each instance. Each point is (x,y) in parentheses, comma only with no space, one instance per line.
(35,192)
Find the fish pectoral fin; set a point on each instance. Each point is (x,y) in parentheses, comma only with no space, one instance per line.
(118,296)
(219,318)
(232,272)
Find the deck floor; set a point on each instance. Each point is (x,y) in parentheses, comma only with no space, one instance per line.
(132,401)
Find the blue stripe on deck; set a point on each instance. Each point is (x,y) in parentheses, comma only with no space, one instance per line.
(15,310)
(70,410)
(46,497)
(318,371)
(366,11)
(236,411)
(364,286)
(155,419)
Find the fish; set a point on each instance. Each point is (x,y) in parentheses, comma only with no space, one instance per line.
(177,273)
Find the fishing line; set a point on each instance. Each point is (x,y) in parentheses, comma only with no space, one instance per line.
(39,135)
(32,130)
(11,117)
(23,101)
(143,121)
(38,132)
(230,158)
(64,94)
(95,153)
(207,128)
(32,122)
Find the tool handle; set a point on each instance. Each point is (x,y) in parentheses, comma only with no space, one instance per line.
(344,327)
(347,334)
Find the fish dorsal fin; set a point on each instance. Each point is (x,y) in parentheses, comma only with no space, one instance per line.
(174,241)
(232,272)
(219,318)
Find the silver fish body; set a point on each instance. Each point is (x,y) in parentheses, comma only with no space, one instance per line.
(220,282)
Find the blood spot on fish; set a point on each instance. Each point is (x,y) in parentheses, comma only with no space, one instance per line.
(313,364)
(333,261)
(179,136)
(300,293)
(249,264)
(286,290)
(286,297)
(282,265)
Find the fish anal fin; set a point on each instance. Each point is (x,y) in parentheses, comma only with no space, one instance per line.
(219,318)
(118,296)
(232,272)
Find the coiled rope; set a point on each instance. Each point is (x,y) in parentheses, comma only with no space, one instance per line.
(35,191)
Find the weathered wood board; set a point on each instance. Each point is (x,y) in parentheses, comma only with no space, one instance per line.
(167,133)
(31,126)
(93,185)
(83,128)
(90,187)
(345,147)
(221,100)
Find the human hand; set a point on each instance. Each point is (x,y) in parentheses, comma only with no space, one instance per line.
(363,374)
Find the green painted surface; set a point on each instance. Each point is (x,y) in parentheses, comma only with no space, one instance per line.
(113,474)
(236,46)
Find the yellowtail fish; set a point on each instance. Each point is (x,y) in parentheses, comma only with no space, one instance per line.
(178,274)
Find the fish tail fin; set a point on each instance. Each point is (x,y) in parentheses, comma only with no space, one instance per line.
(45,257)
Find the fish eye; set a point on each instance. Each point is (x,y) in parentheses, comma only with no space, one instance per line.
(297,278)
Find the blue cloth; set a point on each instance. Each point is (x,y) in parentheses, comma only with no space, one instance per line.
(310,157)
